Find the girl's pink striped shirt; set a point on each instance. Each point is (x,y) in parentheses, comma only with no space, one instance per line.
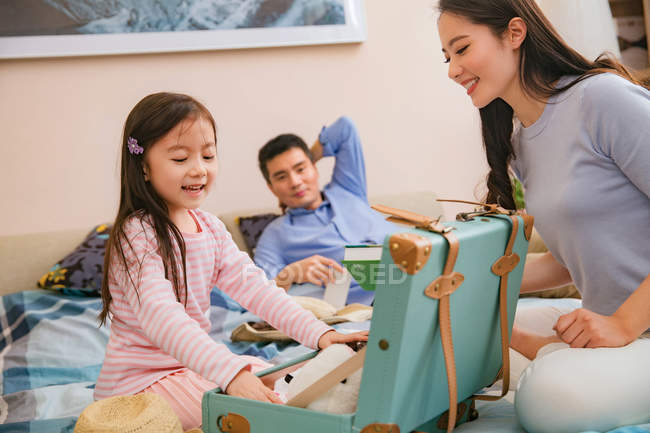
(153,335)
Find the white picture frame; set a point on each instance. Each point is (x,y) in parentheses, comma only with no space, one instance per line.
(353,31)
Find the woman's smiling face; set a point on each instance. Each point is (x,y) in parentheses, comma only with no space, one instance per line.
(486,65)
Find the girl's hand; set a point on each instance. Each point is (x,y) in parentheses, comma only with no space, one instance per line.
(246,385)
(584,328)
(333,337)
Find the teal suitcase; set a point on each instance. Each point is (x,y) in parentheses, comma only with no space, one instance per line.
(404,385)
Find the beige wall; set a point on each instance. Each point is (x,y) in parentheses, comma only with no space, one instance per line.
(62,118)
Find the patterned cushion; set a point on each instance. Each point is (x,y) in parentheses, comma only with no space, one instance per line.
(80,272)
(252,227)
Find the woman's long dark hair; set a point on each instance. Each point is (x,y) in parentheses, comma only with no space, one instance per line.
(150,120)
(544,58)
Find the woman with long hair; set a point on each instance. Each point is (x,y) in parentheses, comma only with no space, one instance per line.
(576,133)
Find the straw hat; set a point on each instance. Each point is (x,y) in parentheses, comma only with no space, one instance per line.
(141,413)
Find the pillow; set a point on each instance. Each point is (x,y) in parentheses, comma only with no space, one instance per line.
(252,227)
(80,272)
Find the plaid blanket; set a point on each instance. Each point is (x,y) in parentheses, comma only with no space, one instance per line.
(51,351)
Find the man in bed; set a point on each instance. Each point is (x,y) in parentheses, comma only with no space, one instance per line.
(306,244)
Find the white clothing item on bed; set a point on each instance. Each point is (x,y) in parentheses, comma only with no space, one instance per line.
(537,316)
(585,167)
(540,315)
(567,390)
(154,335)
(518,364)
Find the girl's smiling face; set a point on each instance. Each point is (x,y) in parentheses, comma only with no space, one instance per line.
(486,65)
(182,165)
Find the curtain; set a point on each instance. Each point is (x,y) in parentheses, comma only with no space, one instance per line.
(586,25)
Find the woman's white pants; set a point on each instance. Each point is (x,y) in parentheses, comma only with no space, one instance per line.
(574,390)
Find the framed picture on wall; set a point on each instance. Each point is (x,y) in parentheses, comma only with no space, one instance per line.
(54,28)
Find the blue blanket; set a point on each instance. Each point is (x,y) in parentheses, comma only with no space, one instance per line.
(51,351)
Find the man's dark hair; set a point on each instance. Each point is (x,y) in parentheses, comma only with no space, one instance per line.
(278,145)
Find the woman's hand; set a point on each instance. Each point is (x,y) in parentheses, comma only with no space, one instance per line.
(584,328)
(246,385)
(333,337)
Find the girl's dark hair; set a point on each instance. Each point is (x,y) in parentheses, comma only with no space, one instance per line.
(544,58)
(150,120)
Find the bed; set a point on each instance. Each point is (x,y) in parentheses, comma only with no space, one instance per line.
(51,351)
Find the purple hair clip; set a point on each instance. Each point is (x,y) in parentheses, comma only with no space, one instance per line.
(133,146)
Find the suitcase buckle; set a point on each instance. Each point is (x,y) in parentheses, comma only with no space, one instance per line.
(233,423)
(380,428)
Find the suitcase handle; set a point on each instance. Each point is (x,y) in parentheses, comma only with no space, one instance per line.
(412,218)
(492,209)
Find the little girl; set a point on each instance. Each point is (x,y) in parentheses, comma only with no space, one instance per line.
(163,258)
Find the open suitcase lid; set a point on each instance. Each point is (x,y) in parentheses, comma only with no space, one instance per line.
(404,385)
(404,379)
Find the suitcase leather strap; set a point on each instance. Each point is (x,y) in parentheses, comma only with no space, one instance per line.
(412,218)
(492,209)
(329,381)
(502,267)
(449,281)
(441,288)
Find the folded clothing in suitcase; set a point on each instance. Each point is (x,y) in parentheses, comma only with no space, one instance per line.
(454,285)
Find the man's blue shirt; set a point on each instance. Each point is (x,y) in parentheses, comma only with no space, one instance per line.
(343,218)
